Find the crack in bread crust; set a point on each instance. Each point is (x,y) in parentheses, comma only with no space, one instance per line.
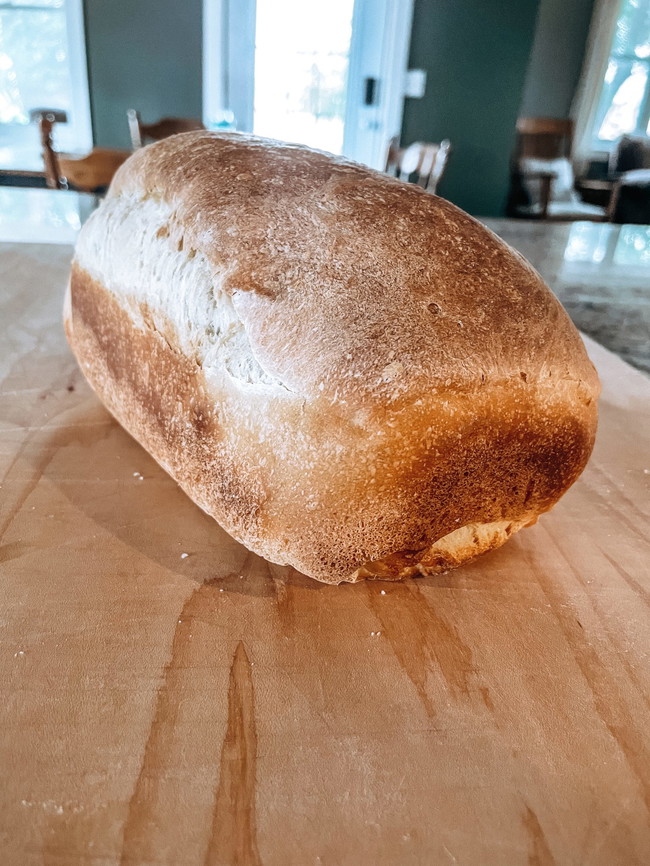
(454,549)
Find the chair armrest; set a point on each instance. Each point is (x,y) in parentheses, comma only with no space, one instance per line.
(635,177)
(598,185)
(545,191)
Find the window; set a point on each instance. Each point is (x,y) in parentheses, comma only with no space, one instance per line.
(624,105)
(301,71)
(42,65)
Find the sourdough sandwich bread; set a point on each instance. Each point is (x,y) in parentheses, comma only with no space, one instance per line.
(350,375)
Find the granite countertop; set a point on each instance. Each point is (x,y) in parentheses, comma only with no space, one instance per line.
(600,272)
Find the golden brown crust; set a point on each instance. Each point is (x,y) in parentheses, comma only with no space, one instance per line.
(354,285)
(507,470)
(423,394)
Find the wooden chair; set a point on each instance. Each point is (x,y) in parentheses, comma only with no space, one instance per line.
(542,184)
(162,129)
(425,160)
(90,173)
(93,172)
(544,137)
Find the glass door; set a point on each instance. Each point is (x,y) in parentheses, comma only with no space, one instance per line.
(325,73)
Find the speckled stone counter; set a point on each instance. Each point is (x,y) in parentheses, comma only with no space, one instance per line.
(600,272)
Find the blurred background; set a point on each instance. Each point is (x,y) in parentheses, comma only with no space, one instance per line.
(329,73)
(533,115)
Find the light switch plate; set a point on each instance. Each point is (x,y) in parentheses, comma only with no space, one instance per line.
(416,83)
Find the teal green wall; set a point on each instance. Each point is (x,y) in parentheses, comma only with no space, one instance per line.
(557,56)
(476,56)
(143,54)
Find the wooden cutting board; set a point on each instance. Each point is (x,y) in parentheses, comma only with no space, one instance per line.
(210,708)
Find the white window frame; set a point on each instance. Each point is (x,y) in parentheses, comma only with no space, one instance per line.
(76,35)
(368,129)
(228,61)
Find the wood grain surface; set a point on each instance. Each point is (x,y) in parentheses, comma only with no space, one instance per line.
(157,708)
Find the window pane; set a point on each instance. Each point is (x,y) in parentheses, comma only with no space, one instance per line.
(301,64)
(622,97)
(37,215)
(33,67)
(632,38)
(34,73)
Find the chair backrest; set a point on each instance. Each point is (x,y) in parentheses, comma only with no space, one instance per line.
(86,173)
(57,115)
(630,152)
(93,171)
(424,160)
(163,128)
(544,137)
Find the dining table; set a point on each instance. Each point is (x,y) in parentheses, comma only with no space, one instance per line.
(169,698)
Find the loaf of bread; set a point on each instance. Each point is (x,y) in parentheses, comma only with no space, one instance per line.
(350,375)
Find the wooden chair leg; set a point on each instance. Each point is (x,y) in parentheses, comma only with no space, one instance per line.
(613,202)
(545,195)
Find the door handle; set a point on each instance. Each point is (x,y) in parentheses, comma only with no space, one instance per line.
(370,91)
